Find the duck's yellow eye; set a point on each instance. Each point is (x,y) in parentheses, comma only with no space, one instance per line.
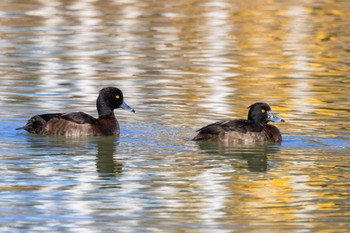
(263,110)
(117,96)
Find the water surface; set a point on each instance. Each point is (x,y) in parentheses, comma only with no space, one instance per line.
(181,65)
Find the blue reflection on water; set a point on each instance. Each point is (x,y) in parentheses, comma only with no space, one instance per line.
(310,142)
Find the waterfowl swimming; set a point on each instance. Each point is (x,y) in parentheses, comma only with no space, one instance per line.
(80,123)
(253,130)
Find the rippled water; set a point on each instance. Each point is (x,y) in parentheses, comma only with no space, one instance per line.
(181,65)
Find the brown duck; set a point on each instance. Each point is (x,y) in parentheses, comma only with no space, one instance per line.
(80,123)
(253,130)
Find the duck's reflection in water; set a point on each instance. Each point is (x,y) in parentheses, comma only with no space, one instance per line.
(106,165)
(256,155)
(103,148)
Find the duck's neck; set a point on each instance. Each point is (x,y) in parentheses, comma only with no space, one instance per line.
(104,116)
(104,111)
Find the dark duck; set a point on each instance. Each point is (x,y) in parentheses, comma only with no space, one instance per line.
(253,130)
(80,123)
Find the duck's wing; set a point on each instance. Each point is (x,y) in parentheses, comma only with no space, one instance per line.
(71,124)
(78,117)
(225,126)
(59,123)
(213,131)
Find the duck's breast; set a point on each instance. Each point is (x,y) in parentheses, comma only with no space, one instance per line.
(106,127)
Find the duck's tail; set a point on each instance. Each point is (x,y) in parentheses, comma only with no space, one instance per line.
(23,127)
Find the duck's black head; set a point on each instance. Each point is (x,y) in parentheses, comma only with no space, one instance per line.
(109,99)
(260,113)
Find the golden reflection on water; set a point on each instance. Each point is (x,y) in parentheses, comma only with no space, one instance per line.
(182,64)
(220,55)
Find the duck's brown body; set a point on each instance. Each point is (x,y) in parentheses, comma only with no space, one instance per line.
(72,124)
